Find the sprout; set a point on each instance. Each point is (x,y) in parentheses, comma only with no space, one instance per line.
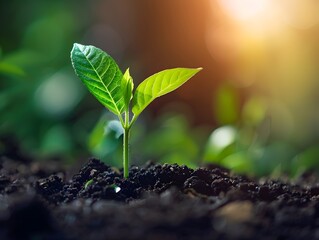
(102,76)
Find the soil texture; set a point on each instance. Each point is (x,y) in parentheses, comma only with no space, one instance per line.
(38,201)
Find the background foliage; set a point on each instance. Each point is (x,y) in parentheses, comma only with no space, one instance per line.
(252,109)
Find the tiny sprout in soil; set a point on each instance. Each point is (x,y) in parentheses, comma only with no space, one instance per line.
(88,183)
(102,76)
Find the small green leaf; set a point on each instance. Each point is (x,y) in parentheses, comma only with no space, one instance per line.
(88,183)
(115,187)
(100,73)
(127,86)
(160,84)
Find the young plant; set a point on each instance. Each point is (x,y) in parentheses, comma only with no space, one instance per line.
(102,76)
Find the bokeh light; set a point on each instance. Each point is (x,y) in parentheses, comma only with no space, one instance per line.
(245,9)
(58,94)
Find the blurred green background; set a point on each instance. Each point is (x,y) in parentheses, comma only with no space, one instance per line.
(252,109)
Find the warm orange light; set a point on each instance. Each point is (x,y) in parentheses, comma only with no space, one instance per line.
(244,9)
(263,48)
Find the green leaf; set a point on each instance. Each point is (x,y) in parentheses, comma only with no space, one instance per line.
(127,86)
(160,84)
(10,69)
(100,73)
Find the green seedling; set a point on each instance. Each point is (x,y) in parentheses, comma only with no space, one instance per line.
(88,183)
(102,76)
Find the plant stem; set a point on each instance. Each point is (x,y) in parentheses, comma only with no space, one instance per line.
(125,152)
(126,134)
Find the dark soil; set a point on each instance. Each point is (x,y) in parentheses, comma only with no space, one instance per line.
(155,202)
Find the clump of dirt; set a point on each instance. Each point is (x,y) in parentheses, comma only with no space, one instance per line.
(155,202)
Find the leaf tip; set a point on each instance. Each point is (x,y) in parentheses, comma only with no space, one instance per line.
(127,71)
(78,46)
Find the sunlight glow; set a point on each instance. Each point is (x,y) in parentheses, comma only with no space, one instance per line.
(269,48)
(244,9)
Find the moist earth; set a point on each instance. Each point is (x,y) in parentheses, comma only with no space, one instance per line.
(40,201)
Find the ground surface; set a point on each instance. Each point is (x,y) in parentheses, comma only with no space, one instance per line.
(155,202)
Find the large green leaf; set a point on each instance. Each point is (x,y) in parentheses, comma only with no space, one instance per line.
(100,73)
(160,84)
(127,86)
